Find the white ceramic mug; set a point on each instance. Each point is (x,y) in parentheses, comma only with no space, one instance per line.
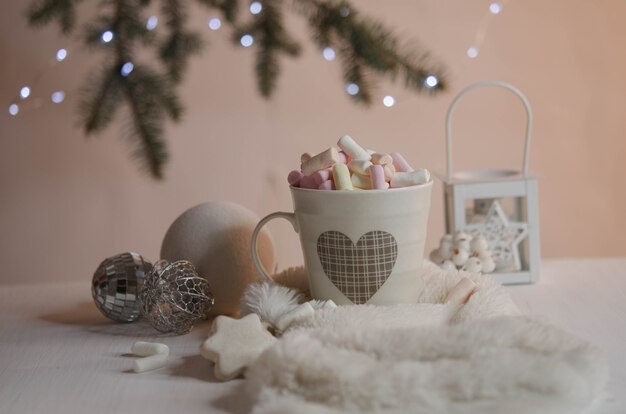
(359,246)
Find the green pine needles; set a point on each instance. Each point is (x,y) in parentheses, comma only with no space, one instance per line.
(366,49)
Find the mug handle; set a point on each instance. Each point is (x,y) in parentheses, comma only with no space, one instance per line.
(290,217)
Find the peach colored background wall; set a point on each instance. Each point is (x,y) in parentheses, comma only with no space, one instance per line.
(67,203)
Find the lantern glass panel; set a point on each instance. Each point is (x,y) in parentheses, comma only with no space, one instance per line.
(510,218)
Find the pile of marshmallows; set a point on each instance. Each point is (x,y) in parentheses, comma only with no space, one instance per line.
(464,252)
(354,167)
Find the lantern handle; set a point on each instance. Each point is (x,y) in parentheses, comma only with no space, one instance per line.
(455,102)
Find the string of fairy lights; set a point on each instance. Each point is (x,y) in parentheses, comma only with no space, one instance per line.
(24,99)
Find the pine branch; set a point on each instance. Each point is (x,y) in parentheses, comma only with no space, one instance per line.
(42,12)
(366,46)
(180,45)
(101,97)
(272,39)
(367,50)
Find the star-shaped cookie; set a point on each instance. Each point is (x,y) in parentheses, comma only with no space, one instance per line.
(235,344)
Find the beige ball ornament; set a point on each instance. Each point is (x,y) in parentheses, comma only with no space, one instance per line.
(216,238)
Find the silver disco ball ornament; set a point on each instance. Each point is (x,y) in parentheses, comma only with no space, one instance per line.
(174,297)
(116,285)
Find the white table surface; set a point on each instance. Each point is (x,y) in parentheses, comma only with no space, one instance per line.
(59,355)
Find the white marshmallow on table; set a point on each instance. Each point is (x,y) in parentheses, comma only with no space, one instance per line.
(359,166)
(150,363)
(406,179)
(143,349)
(235,344)
(354,150)
(361,181)
(461,293)
(341,177)
(302,311)
(320,161)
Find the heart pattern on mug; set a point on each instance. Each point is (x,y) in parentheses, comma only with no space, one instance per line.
(358,271)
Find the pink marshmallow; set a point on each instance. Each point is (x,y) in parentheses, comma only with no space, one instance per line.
(294,178)
(343,157)
(400,163)
(320,176)
(327,185)
(377,177)
(308,182)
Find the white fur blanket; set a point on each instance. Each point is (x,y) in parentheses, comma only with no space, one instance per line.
(481,357)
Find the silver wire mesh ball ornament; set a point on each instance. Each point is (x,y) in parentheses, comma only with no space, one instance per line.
(174,297)
(116,284)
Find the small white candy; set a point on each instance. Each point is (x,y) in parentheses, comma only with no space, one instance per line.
(302,311)
(448,265)
(461,292)
(407,179)
(459,256)
(473,265)
(354,150)
(149,363)
(140,348)
(479,244)
(360,166)
(487,265)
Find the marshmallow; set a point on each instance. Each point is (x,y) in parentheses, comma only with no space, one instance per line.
(361,181)
(308,182)
(390,171)
(305,157)
(400,163)
(321,161)
(381,159)
(377,177)
(406,179)
(343,157)
(321,175)
(294,178)
(354,150)
(360,166)
(341,177)
(143,349)
(461,293)
(327,185)
(149,363)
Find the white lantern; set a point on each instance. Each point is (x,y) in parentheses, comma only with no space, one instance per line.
(500,204)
